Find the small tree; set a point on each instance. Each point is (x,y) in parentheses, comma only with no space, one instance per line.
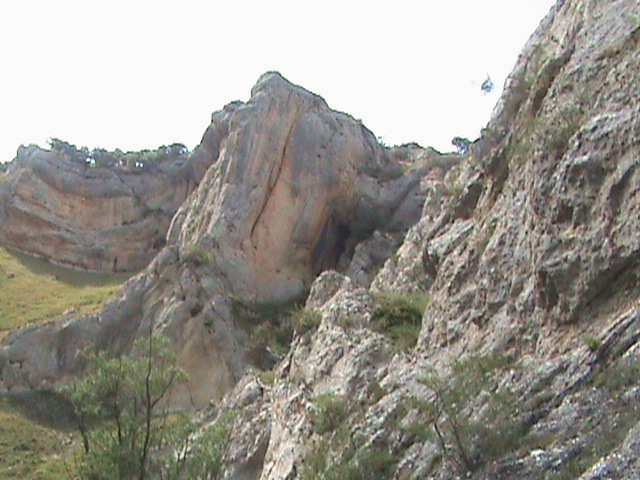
(121,412)
(462,144)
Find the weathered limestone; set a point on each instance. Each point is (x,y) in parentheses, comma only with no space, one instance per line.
(291,189)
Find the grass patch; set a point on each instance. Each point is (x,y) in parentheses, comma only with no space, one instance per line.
(622,374)
(269,326)
(330,459)
(29,450)
(329,412)
(306,321)
(197,255)
(33,289)
(592,343)
(399,317)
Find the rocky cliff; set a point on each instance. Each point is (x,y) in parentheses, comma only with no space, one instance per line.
(472,317)
(527,359)
(293,188)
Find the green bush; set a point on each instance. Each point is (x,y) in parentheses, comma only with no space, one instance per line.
(305,321)
(118,411)
(125,426)
(269,326)
(399,317)
(466,440)
(197,255)
(370,464)
(204,461)
(329,411)
(592,342)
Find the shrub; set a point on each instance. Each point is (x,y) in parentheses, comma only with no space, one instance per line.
(269,327)
(399,317)
(466,440)
(368,464)
(256,349)
(197,255)
(329,411)
(306,321)
(204,461)
(119,414)
(376,392)
(592,342)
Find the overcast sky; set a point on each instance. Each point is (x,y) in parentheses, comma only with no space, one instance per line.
(134,74)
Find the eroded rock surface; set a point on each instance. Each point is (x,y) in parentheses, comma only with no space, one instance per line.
(531,265)
(109,219)
(292,189)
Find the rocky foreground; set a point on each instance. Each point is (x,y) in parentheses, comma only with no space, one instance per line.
(526,253)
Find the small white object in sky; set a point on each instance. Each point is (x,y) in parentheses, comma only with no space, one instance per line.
(487,86)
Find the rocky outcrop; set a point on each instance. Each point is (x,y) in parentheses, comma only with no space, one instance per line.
(293,188)
(102,218)
(296,187)
(528,356)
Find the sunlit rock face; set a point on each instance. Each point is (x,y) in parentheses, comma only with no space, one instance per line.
(108,219)
(291,188)
(295,187)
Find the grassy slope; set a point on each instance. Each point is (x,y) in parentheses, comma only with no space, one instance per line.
(29,450)
(32,289)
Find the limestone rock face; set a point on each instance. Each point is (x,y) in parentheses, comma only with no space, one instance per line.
(295,187)
(291,189)
(529,252)
(106,219)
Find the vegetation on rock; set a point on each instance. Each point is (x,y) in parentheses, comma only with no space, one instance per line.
(122,415)
(131,161)
(399,317)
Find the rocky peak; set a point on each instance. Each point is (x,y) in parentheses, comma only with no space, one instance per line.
(292,187)
(296,186)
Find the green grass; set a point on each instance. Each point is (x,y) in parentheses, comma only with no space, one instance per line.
(30,451)
(33,289)
(399,317)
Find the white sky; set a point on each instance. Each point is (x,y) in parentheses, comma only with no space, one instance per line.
(137,74)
